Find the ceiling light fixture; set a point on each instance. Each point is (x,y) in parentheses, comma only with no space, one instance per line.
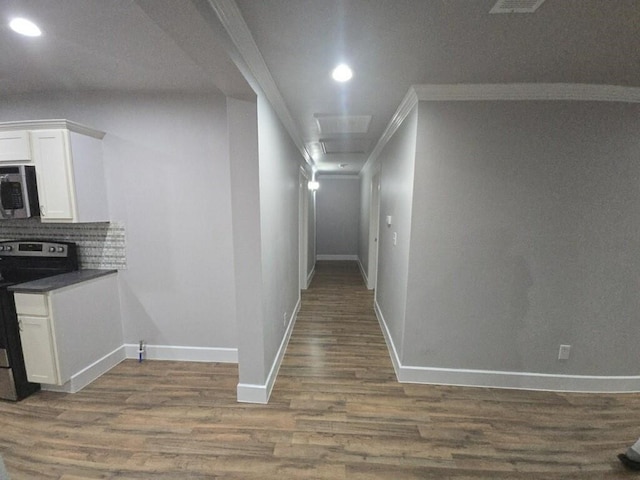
(342,73)
(25,27)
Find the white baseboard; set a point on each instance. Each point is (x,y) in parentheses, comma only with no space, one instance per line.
(184,354)
(336,257)
(252,393)
(504,379)
(395,359)
(260,393)
(87,375)
(310,276)
(364,274)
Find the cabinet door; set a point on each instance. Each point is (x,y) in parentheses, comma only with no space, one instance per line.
(52,157)
(37,348)
(15,147)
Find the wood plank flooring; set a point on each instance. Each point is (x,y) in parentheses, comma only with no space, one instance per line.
(336,412)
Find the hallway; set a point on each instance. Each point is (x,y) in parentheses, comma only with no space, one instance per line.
(338,379)
(336,412)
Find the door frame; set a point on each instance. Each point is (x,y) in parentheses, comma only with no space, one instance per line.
(374,231)
(303,228)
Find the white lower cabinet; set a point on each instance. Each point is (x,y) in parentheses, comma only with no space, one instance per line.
(38,348)
(69,335)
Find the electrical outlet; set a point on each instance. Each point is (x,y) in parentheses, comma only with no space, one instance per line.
(563,353)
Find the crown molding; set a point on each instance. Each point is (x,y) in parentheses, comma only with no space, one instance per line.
(527,91)
(409,101)
(501,92)
(57,123)
(231,18)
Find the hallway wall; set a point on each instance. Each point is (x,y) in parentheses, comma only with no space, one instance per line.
(337,210)
(279,166)
(525,236)
(397,163)
(265,165)
(524,225)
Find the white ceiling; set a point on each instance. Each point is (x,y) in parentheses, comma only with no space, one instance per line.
(180,45)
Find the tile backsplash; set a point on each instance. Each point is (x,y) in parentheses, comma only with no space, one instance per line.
(100,245)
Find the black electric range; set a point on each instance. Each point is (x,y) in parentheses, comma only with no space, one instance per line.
(22,261)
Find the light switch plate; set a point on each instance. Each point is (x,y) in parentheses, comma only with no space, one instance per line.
(563,353)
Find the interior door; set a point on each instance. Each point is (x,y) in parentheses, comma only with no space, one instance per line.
(374,231)
(303,229)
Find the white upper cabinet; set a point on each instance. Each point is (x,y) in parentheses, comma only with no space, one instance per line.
(15,147)
(69,169)
(54,174)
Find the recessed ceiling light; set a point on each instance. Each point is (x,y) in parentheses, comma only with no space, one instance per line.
(25,27)
(342,73)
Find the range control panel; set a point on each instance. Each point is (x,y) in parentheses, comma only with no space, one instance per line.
(33,249)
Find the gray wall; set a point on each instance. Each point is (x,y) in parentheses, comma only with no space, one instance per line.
(396,190)
(525,235)
(311,233)
(338,215)
(364,220)
(166,158)
(265,188)
(279,166)
(245,201)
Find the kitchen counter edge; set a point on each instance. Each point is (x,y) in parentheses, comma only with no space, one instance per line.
(55,282)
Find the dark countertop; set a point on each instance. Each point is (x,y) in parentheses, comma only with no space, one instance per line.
(48,284)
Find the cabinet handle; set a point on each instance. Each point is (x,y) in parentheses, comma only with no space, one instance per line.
(43,211)
(20,325)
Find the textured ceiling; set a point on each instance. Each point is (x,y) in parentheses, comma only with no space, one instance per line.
(178,45)
(124,45)
(392,44)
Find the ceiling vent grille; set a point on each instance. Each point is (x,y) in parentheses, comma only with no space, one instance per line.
(516,6)
(342,124)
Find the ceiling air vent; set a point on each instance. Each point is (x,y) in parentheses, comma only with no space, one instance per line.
(516,6)
(342,124)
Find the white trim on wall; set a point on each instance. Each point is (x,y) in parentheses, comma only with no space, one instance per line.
(57,123)
(310,276)
(504,379)
(336,257)
(152,352)
(409,101)
(184,354)
(260,393)
(393,353)
(496,91)
(364,274)
(231,18)
(527,91)
(87,375)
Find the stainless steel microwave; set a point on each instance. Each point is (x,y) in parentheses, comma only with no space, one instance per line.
(18,192)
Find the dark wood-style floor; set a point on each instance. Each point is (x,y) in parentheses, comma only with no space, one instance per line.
(336,412)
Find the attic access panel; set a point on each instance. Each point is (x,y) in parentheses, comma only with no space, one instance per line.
(342,124)
(516,6)
(345,145)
